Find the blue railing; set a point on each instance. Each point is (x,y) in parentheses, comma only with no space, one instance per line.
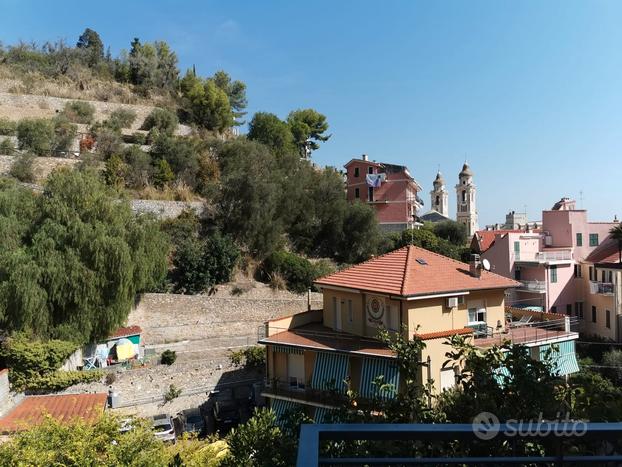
(602,435)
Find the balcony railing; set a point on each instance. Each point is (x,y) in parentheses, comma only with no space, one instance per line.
(543,256)
(462,444)
(604,288)
(536,286)
(307,394)
(531,332)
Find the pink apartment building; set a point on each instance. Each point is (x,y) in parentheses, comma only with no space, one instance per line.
(550,263)
(389,188)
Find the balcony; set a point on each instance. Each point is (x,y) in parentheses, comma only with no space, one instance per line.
(287,391)
(526,332)
(601,288)
(543,257)
(532,286)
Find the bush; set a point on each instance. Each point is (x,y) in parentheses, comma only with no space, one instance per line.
(7,127)
(59,380)
(22,169)
(168,357)
(173,392)
(121,118)
(64,134)
(110,378)
(251,357)
(297,271)
(108,142)
(32,362)
(7,147)
(36,135)
(163,120)
(79,112)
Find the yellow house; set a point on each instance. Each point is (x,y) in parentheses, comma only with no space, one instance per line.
(314,357)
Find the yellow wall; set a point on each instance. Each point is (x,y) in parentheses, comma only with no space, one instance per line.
(432,315)
(436,350)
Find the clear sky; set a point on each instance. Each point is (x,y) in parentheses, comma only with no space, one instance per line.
(529,92)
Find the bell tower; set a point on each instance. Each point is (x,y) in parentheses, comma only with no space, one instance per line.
(466,205)
(439,197)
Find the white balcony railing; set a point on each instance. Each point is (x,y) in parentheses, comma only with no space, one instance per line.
(603,288)
(543,256)
(537,286)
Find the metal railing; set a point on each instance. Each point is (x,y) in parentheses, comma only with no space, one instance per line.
(538,286)
(525,333)
(459,444)
(542,256)
(605,288)
(276,388)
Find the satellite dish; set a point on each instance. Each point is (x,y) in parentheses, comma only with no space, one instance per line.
(486,264)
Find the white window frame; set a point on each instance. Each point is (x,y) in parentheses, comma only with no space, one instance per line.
(479,312)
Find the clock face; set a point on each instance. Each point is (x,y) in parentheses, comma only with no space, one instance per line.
(375,309)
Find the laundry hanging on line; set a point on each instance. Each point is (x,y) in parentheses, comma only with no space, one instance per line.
(375,180)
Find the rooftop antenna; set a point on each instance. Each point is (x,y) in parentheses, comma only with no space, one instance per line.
(581,199)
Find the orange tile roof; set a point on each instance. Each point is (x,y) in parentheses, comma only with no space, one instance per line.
(441,334)
(486,238)
(65,408)
(126,331)
(401,273)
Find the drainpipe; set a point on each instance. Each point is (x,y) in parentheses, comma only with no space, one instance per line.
(309,299)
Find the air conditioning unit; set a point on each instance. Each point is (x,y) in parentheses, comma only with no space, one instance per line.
(452,302)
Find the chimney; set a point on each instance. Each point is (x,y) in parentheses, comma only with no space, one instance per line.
(475,266)
(364,156)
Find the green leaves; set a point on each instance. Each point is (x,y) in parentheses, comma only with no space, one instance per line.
(74,267)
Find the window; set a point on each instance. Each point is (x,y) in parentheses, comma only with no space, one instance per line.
(357,193)
(296,371)
(610,279)
(370,193)
(602,276)
(553,272)
(593,239)
(577,270)
(553,309)
(591,273)
(517,274)
(517,250)
(569,309)
(579,309)
(370,170)
(464,196)
(608,319)
(438,200)
(356,171)
(477,315)
(350,317)
(593,314)
(579,239)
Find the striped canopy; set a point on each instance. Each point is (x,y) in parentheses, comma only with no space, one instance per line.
(372,369)
(320,414)
(563,357)
(330,372)
(280,407)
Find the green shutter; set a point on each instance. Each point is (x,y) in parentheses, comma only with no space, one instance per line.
(286,349)
(579,239)
(330,372)
(553,271)
(372,369)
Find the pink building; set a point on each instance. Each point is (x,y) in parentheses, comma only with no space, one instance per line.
(548,262)
(389,188)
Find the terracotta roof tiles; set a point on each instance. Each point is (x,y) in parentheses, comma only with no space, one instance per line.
(412,271)
(126,331)
(65,408)
(441,334)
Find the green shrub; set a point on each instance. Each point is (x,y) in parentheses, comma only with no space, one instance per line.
(251,357)
(32,362)
(79,112)
(121,118)
(7,147)
(36,135)
(22,169)
(297,271)
(64,133)
(173,392)
(163,120)
(7,127)
(168,357)
(59,380)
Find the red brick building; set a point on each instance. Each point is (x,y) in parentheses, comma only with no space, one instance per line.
(389,188)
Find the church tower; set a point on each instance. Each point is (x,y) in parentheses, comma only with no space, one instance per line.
(439,197)
(466,204)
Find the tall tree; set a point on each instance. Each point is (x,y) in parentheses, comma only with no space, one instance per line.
(235,90)
(90,42)
(270,130)
(308,127)
(206,104)
(616,234)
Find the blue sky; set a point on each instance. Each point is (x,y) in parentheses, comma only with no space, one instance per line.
(529,92)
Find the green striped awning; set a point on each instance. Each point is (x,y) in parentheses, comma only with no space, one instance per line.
(320,414)
(286,349)
(281,407)
(330,372)
(373,368)
(563,357)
